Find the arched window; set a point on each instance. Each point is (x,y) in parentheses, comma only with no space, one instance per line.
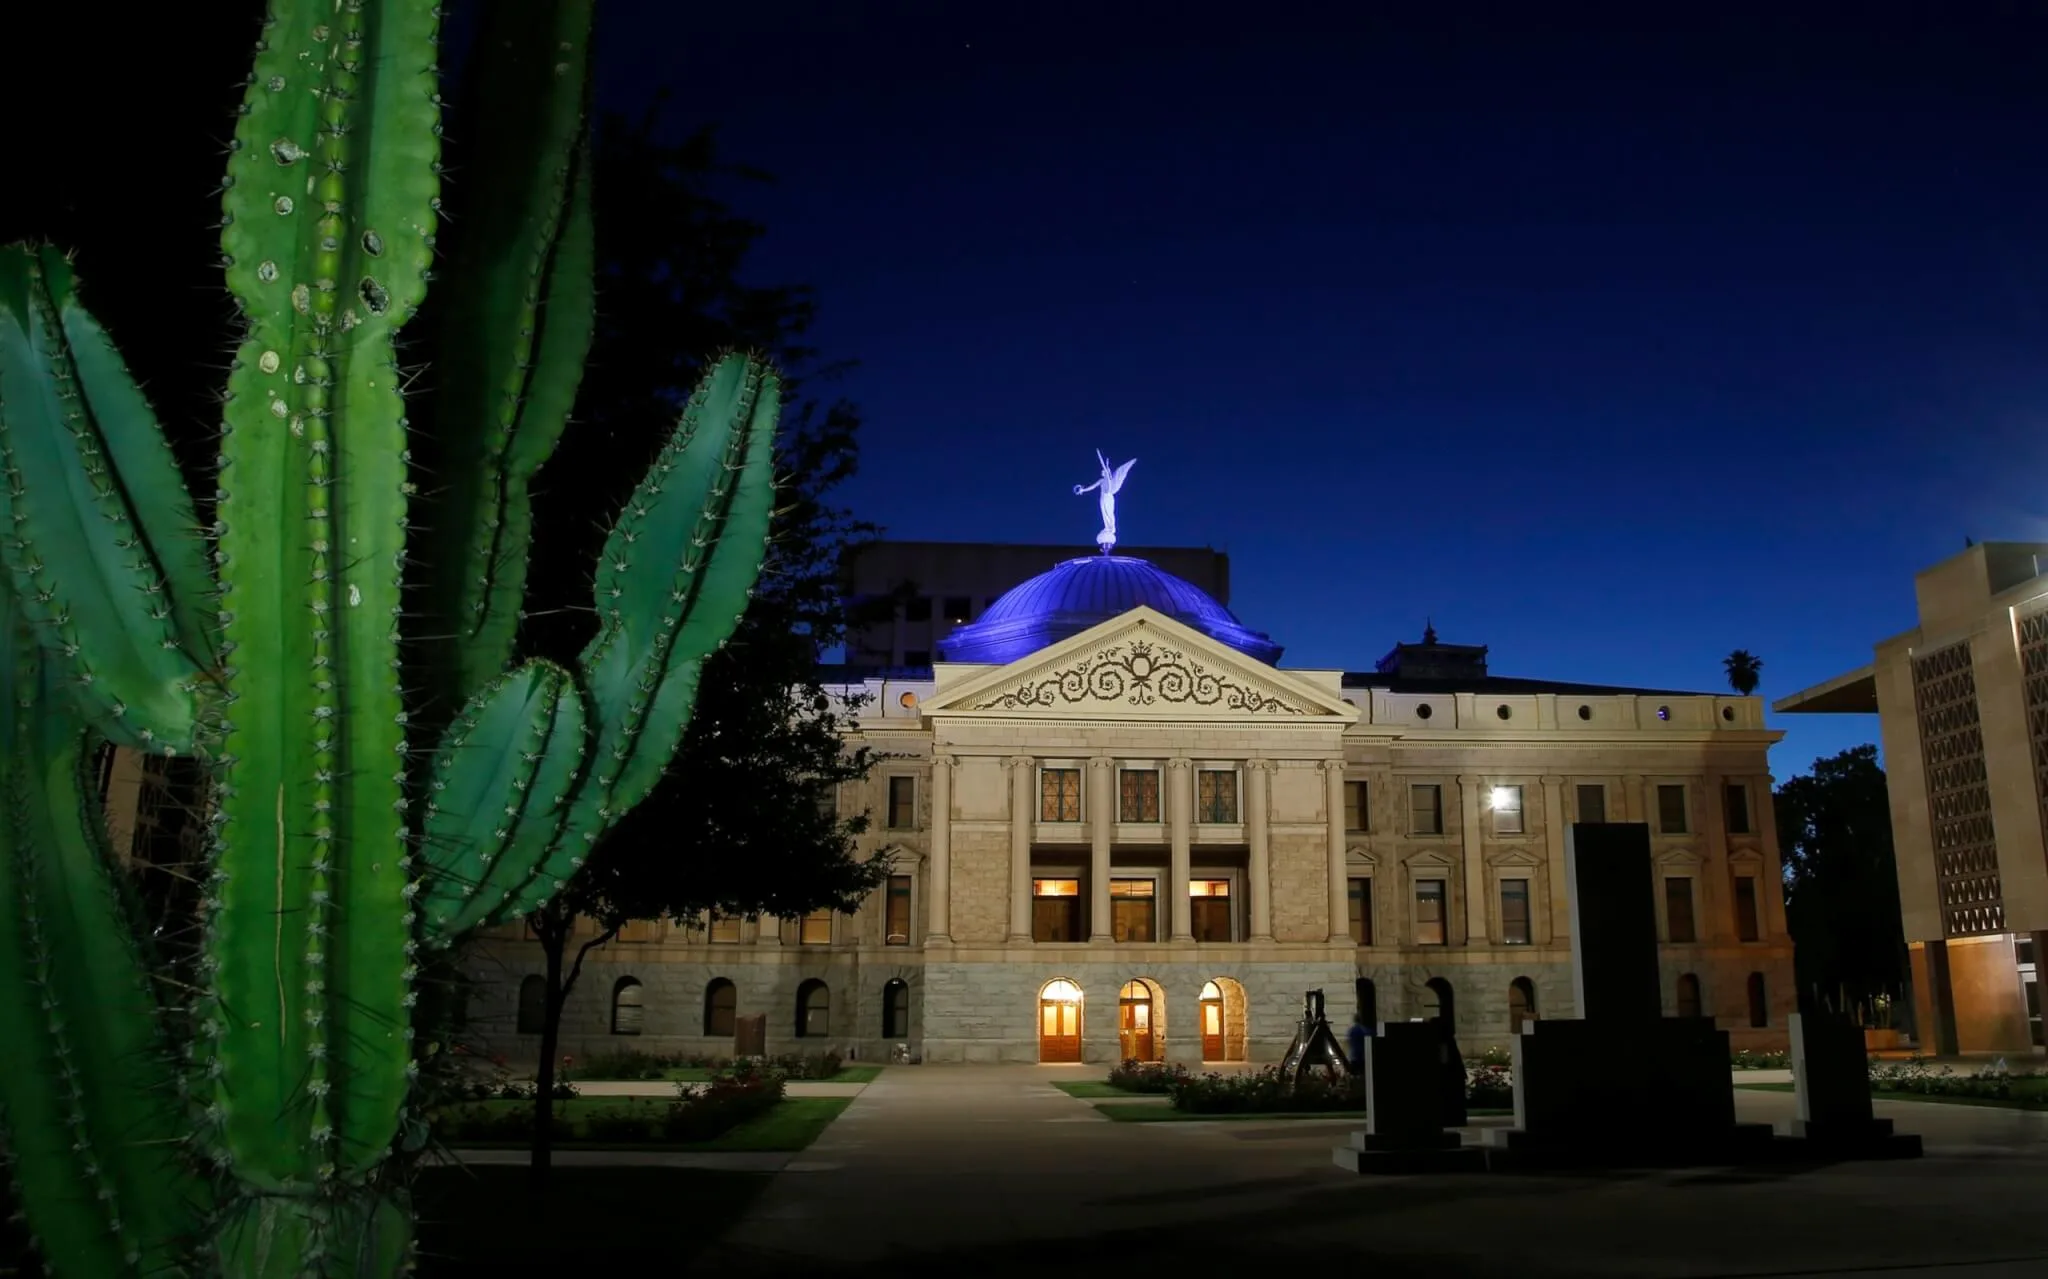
(1521,1004)
(721,1002)
(1368,997)
(1439,1001)
(533,1005)
(813,1010)
(895,1008)
(1688,995)
(1759,1009)
(626,1008)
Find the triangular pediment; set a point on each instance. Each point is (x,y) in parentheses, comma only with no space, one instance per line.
(1140,665)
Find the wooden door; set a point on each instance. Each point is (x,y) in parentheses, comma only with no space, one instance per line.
(1212,1030)
(1059,1030)
(1135,1030)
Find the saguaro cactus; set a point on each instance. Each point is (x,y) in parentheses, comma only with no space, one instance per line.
(343,842)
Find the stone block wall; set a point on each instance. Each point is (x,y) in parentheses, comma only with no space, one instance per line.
(1299,865)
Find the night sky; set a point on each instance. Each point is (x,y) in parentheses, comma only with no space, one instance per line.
(1615,348)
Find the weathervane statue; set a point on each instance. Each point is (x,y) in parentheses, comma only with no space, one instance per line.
(1109,484)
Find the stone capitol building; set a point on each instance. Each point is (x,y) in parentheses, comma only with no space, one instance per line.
(1118,828)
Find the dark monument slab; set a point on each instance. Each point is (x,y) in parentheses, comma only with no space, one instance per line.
(1831,1078)
(750,1035)
(1404,1108)
(1621,1084)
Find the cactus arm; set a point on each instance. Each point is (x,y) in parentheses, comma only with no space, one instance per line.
(533,851)
(80,564)
(520,314)
(142,462)
(90,1089)
(330,214)
(501,781)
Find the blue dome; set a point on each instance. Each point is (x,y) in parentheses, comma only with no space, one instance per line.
(1086,592)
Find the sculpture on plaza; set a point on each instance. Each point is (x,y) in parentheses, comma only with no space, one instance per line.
(1109,484)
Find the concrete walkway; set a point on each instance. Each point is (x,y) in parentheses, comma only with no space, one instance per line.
(991,1170)
(667,1088)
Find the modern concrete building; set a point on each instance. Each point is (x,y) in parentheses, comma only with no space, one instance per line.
(1962,707)
(1117,827)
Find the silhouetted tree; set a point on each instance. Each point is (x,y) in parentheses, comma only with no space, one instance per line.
(1841,884)
(1744,669)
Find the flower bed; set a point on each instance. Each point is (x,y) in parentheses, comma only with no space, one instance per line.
(1487,1087)
(1996,1082)
(640,1065)
(1146,1076)
(1744,1059)
(700,1112)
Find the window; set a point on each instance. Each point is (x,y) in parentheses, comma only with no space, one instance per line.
(958,607)
(1358,897)
(1735,796)
(1759,1008)
(1357,816)
(828,803)
(1678,921)
(1425,810)
(626,1008)
(895,1008)
(1688,995)
(721,1003)
(1506,802)
(533,1005)
(816,929)
(1593,803)
(1521,1004)
(1439,1001)
(725,929)
(917,657)
(1059,795)
(1133,912)
(902,803)
(1514,912)
(1671,810)
(1216,796)
(1055,910)
(1210,909)
(896,922)
(1137,795)
(918,608)
(813,1010)
(1746,924)
(1429,912)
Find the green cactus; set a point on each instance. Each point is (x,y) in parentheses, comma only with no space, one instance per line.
(345,843)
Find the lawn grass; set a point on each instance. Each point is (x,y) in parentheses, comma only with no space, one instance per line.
(702,1074)
(2026,1096)
(1088,1089)
(1128,1112)
(793,1124)
(483,1220)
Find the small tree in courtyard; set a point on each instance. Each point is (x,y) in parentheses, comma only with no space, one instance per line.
(1745,671)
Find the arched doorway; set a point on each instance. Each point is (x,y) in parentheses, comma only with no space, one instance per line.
(895,1008)
(1222,1007)
(1368,997)
(1439,1001)
(1141,1021)
(1059,1021)
(1521,1004)
(813,1010)
(1688,995)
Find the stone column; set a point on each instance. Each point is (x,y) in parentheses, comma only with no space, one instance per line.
(1716,905)
(939,920)
(1632,802)
(1555,826)
(1102,827)
(1770,890)
(1258,835)
(1333,805)
(1022,819)
(1180,816)
(1475,862)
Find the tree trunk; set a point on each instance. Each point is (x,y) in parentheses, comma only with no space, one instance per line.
(553,940)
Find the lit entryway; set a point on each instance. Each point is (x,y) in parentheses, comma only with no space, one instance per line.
(1059,1021)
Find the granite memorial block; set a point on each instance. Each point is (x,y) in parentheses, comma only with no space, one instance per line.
(1831,1081)
(1404,1112)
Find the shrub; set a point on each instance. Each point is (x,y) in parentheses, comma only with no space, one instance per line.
(1489,1087)
(731,1098)
(626,1064)
(1744,1059)
(1915,1075)
(1259,1092)
(504,1088)
(805,1065)
(1495,1056)
(481,1123)
(1146,1076)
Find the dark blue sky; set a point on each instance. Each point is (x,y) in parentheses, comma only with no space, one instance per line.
(1614,348)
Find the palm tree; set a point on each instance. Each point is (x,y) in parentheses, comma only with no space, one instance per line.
(1743,669)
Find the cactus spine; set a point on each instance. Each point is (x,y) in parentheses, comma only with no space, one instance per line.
(350,829)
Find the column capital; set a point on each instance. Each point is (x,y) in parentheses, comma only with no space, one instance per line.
(1333,766)
(1180,763)
(1552,779)
(1469,779)
(1021,761)
(1263,765)
(1101,762)
(942,760)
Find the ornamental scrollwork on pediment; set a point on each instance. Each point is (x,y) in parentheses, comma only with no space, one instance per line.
(1143,674)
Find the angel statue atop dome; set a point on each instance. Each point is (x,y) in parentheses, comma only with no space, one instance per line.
(1111,481)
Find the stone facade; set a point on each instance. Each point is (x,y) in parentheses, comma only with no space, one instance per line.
(1143,761)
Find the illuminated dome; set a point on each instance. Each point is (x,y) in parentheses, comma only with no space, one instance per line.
(1086,592)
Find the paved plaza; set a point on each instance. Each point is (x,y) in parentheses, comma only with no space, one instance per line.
(979,1170)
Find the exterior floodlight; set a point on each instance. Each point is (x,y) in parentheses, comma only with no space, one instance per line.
(1502,797)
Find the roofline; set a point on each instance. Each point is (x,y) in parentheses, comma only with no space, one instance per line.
(1852,694)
